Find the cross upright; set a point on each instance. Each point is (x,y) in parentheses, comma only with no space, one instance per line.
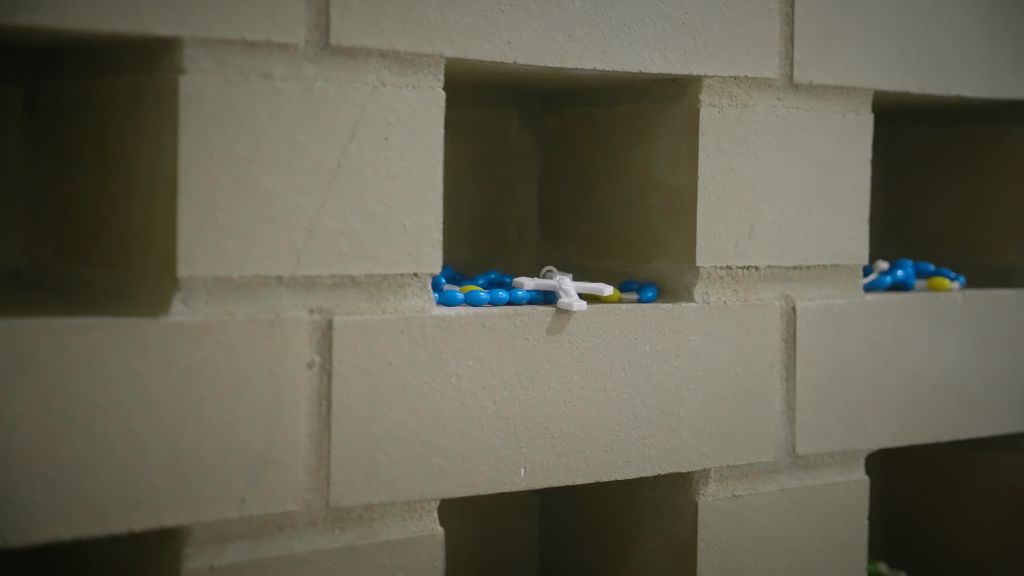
(552,279)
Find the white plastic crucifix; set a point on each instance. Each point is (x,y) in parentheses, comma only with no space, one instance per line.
(561,283)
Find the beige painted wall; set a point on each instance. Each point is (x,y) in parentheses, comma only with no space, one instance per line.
(250,20)
(947,187)
(785,175)
(276,166)
(950,47)
(559,398)
(113,425)
(799,529)
(723,37)
(896,369)
(298,164)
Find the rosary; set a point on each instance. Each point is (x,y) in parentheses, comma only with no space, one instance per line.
(551,286)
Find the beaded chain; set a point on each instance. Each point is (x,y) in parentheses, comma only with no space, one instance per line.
(494,288)
(904,275)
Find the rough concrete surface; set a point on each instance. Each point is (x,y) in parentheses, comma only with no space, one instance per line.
(111,426)
(784,175)
(286,171)
(908,368)
(946,47)
(731,37)
(250,20)
(477,401)
(818,529)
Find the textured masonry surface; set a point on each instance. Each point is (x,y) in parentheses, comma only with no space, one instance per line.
(473,402)
(801,530)
(296,167)
(784,175)
(700,37)
(266,186)
(946,47)
(899,369)
(250,20)
(124,425)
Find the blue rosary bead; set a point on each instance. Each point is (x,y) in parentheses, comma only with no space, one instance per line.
(518,297)
(451,298)
(498,297)
(881,283)
(477,298)
(438,282)
(904,275)
(903,278)
(647,293)
(495,288)
(924,269)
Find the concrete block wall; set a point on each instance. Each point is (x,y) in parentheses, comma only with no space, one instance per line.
(221,221)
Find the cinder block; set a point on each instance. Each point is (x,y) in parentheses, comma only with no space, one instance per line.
(784,175)
(112,426)
(290,166)
(404,538)
(254,20)
(816,529)
(899,369)
(413,555)
(730,37)
(947,47)
(464,402)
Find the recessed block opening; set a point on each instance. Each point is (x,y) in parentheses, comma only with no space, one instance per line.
(642,526)
(88,156)
(949,509)
(157,553)
(947,178)
(594,174)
